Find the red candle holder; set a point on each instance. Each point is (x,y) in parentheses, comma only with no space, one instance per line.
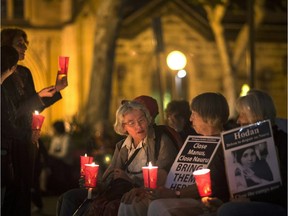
(84,160)
(150,176)
(203,182)
(91,172)
(37,121)
(63,64)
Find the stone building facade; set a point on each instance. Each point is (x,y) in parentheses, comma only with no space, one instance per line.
(67,27)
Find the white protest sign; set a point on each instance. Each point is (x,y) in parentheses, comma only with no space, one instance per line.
(196,153)
(251,160)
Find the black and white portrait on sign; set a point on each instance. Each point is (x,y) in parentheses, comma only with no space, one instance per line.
(251,165)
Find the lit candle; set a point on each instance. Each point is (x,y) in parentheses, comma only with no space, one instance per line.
(37,121)
(150,176)
(203,182)
(63,64)
(91,172)
(84,160)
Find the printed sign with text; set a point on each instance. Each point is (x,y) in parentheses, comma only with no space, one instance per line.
(251,160)
(196,153)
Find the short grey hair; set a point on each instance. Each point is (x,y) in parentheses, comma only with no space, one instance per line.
(126,108)
(257,105)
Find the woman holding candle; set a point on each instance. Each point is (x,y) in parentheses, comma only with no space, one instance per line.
(210,112)
(130,155)
(257,106)
(26,100)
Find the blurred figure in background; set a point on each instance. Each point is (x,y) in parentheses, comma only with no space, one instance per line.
(40,163)
(178,117)
(102,144)
(60,146)
(60,161)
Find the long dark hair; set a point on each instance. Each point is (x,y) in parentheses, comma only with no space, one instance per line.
(8,35)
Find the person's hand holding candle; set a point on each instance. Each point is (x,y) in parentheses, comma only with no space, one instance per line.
(61,82)
(47,92)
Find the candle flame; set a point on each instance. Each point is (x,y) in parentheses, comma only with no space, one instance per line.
(36,112)
(85,155)
(150,164)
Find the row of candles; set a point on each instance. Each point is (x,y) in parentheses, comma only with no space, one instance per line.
(90,171)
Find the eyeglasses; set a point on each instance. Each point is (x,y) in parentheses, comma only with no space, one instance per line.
(141,121)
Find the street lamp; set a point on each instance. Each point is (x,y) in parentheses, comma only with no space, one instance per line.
(181,73)
(176,60)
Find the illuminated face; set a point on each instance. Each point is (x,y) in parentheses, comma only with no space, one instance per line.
(243,119)
(20,45)
(199,125)
(248,158)
(136,125)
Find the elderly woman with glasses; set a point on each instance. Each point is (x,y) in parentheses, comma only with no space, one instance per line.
(131,154)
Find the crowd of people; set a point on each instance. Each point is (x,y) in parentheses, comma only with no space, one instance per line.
(120,189)
(208,117)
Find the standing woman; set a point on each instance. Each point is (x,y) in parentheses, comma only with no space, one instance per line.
(21,90)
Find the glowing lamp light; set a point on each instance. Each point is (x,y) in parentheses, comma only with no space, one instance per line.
(244,90)
(176,60)
(181,73)
(107,159)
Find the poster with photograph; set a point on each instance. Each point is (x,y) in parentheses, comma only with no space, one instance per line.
(251,160)
(196,153)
